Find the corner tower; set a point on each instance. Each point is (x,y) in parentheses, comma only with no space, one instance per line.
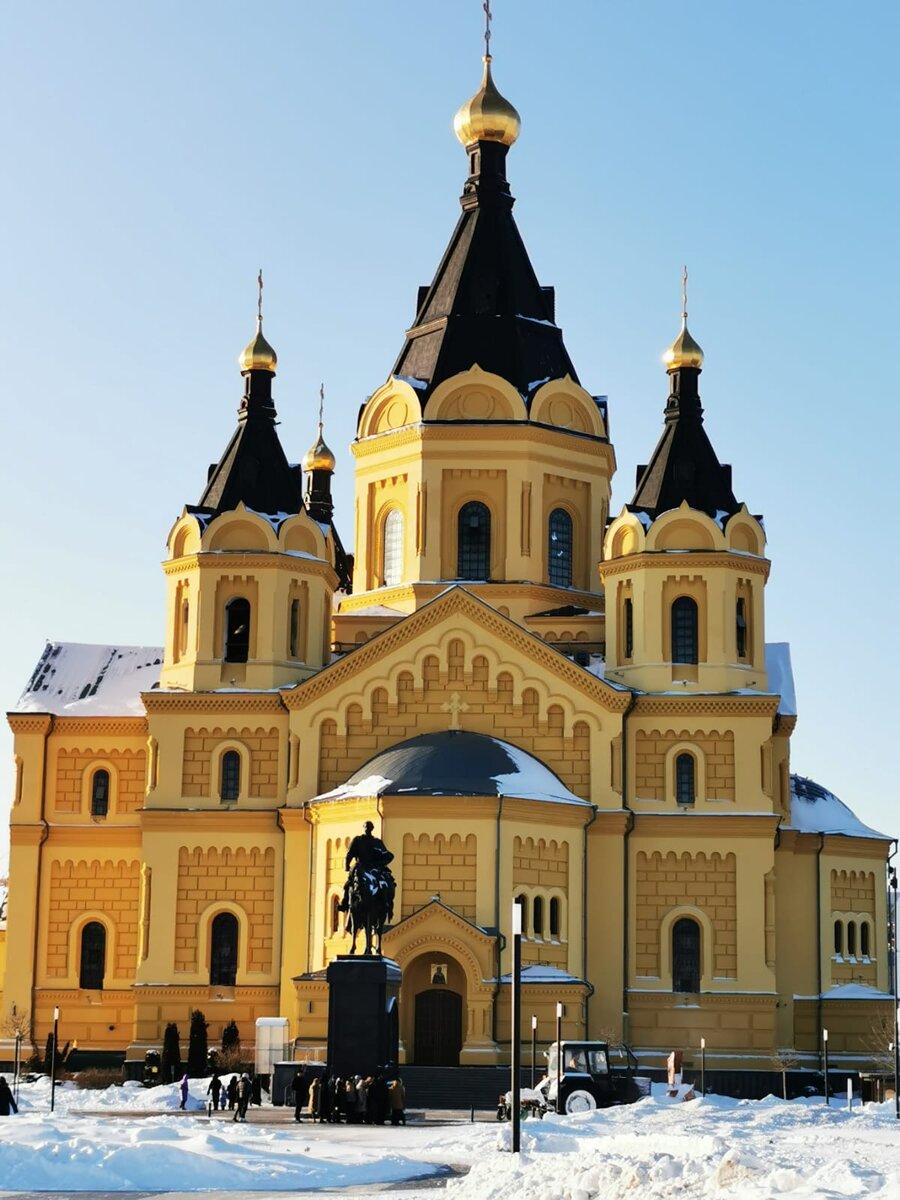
(684,564)
(482,458)
(250,573)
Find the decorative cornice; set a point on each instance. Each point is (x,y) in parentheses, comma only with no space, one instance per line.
(423,592)
(124,837)
(106,726)
(455,603)
(210,703)
(29,722)
(242,560)
(706,1000)
(713,825)
(681,562)
(510,430)
(187,991)
(610,824)
(701,704)
(213,822)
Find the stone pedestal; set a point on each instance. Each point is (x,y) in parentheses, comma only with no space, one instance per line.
(363,1014)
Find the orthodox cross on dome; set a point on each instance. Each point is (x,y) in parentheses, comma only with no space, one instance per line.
(259,291)
(488,17)
(684,293)
(321,405)
(454,706)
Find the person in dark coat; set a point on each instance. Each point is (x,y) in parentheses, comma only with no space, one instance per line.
(379,1100)
(184,1087)
(243,1098)
(300,1088)
(214,1090)
(7,1101)
(256,1091)
(232,1092)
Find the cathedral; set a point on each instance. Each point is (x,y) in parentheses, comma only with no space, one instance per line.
(533,698)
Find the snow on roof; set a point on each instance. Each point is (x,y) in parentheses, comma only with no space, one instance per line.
(374,610)
(76,679)
(816,810)
(781,676)
(541,973)
(850,991)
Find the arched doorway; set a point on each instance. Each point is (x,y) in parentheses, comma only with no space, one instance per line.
(438,1030)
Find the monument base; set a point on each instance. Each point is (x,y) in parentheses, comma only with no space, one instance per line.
(363,1014)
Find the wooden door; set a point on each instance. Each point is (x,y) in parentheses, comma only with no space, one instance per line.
(438,1028)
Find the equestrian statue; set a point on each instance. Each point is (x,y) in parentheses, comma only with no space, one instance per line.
(369,890)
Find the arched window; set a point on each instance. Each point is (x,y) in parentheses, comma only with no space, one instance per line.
(554,917)
(839,937)
(335,914)
(522,902)
(392,565)
(100,793)
(223,950)
(559,548)
(183,632)
(473,557)
(93,956)
(864,948)
(684,630)
(851,939)
(537,917)
(237,630)
(740,622)
(685,784)
(294,629)
(230,782)
(628,614)
(685,956)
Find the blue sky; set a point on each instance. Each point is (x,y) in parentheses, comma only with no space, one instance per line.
(158,154)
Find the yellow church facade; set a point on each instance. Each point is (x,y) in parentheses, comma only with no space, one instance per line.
(532,699)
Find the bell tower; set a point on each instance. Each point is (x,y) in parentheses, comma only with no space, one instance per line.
(684,564)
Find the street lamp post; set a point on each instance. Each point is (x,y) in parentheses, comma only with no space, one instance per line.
(825,1052)
(559,1009)
(893,916)
(533,1041)
(516,1030)
(703,1066)
(53,1059)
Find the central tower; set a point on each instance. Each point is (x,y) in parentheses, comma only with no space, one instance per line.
(482,459)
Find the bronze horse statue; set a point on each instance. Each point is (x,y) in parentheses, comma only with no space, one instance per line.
(370,901)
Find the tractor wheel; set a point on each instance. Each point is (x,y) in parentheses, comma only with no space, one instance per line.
(580,1101)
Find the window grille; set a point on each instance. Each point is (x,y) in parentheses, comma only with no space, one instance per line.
(474,541)
(93,956)
(223,951)
(685,787)
(559,548)
(740,621)
(684,630)
(100,794)
(685,956)
(230,787)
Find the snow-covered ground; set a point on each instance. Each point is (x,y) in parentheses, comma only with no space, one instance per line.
(712,1147)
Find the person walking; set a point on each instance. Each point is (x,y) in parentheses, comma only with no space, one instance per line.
(183,1088)
(232,1092)
(7,1100)
(314,1093)
(243,1098)
(397,1094)
(300,1088)
(214,1091)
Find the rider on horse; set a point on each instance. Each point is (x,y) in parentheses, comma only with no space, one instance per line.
(368,854)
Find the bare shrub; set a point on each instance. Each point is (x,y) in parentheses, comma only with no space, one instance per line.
(98,1078)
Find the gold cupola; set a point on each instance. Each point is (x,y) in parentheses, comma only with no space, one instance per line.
(319,457)
(487,117)
(684,351)
(258,355)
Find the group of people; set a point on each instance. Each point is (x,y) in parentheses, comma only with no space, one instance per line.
(236,1095)
(356,1099)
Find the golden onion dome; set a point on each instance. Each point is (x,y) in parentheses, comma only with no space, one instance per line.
(684,351)
(487,117)
(319,457)
(258,355)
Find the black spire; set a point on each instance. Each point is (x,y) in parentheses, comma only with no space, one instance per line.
(485,304)
(684,466)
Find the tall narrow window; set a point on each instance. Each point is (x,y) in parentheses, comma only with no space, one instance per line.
(100,794)
(237,630)
(522,902)
(392,565)
(740,622)
(554,917)
(473,559)
(685,784)
(839,937)
(294,628)
(335,913)
(685,956)
(851,939)
(223,950)
(684,630)
(559,548)
(864,948)
(93,956)
(183,632)
(537,917)
(628,614)
(230,783)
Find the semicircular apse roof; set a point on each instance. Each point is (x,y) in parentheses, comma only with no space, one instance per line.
(455,763)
